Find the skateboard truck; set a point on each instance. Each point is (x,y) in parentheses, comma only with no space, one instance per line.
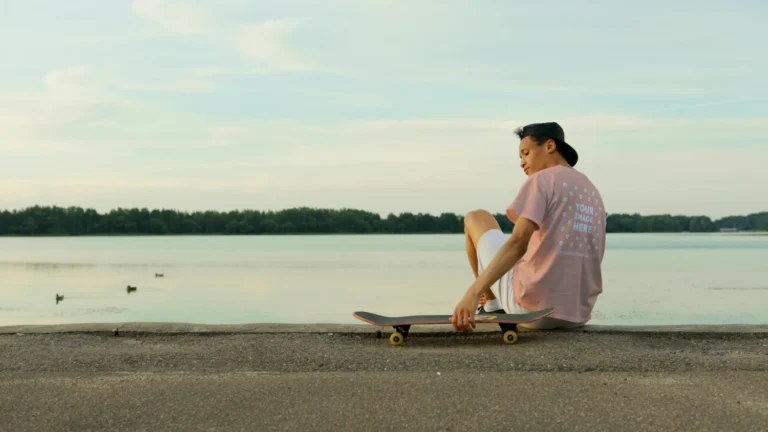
(400,334)
(510,332)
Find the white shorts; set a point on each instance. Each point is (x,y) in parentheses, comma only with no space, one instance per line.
(487,247)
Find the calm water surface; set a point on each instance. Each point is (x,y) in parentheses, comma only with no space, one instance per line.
(649,278)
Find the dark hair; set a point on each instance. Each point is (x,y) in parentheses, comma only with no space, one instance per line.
(538,138)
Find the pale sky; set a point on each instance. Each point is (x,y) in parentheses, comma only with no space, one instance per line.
(387,106)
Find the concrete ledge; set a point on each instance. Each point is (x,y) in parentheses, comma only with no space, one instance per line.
(178,328)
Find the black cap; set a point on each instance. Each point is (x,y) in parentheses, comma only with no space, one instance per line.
(555,132)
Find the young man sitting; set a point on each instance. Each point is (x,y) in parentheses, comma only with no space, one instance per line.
(553,257)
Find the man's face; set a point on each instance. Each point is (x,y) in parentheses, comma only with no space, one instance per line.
(534,157)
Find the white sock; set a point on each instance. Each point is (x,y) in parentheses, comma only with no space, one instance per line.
(492,305)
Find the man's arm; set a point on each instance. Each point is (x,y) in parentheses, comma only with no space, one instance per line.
(508,255)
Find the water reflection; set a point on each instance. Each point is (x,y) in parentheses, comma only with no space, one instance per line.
(739,289)
(77,312)
(648,280)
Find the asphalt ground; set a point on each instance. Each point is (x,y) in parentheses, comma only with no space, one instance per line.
(693,379)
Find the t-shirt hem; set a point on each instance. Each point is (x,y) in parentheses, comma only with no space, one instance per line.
(569,318)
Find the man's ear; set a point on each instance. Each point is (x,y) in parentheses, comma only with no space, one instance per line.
(551,146)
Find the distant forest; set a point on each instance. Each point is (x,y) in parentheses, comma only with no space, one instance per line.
(48,221)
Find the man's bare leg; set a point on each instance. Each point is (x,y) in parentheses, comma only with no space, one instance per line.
(472,256)
(477,223)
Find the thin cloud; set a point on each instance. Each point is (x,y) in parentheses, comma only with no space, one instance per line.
(73,86)
(271,43)
(146,183)
(706,104)
(31,119)
(171,16)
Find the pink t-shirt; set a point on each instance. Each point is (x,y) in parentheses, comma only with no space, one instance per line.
(561,268)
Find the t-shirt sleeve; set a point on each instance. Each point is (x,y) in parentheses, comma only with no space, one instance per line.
(530,203)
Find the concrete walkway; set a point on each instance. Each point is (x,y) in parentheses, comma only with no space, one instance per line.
(173,327)
(164,377)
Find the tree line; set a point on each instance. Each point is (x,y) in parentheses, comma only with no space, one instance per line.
(39,220)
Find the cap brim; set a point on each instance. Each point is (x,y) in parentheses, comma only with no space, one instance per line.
(569,153)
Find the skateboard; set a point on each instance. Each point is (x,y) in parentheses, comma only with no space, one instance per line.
(402,324)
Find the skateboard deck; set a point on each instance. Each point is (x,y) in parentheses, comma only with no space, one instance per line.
(402,324)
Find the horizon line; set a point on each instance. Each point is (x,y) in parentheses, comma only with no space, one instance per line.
(338,209)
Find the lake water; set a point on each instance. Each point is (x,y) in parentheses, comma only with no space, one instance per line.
(649,279)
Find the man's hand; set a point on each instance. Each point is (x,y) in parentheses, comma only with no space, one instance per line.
(463,318)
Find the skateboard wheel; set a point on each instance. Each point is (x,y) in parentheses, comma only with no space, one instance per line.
(510,337)
(396,338)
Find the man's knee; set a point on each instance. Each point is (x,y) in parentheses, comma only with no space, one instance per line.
(478,222)
(476,217)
